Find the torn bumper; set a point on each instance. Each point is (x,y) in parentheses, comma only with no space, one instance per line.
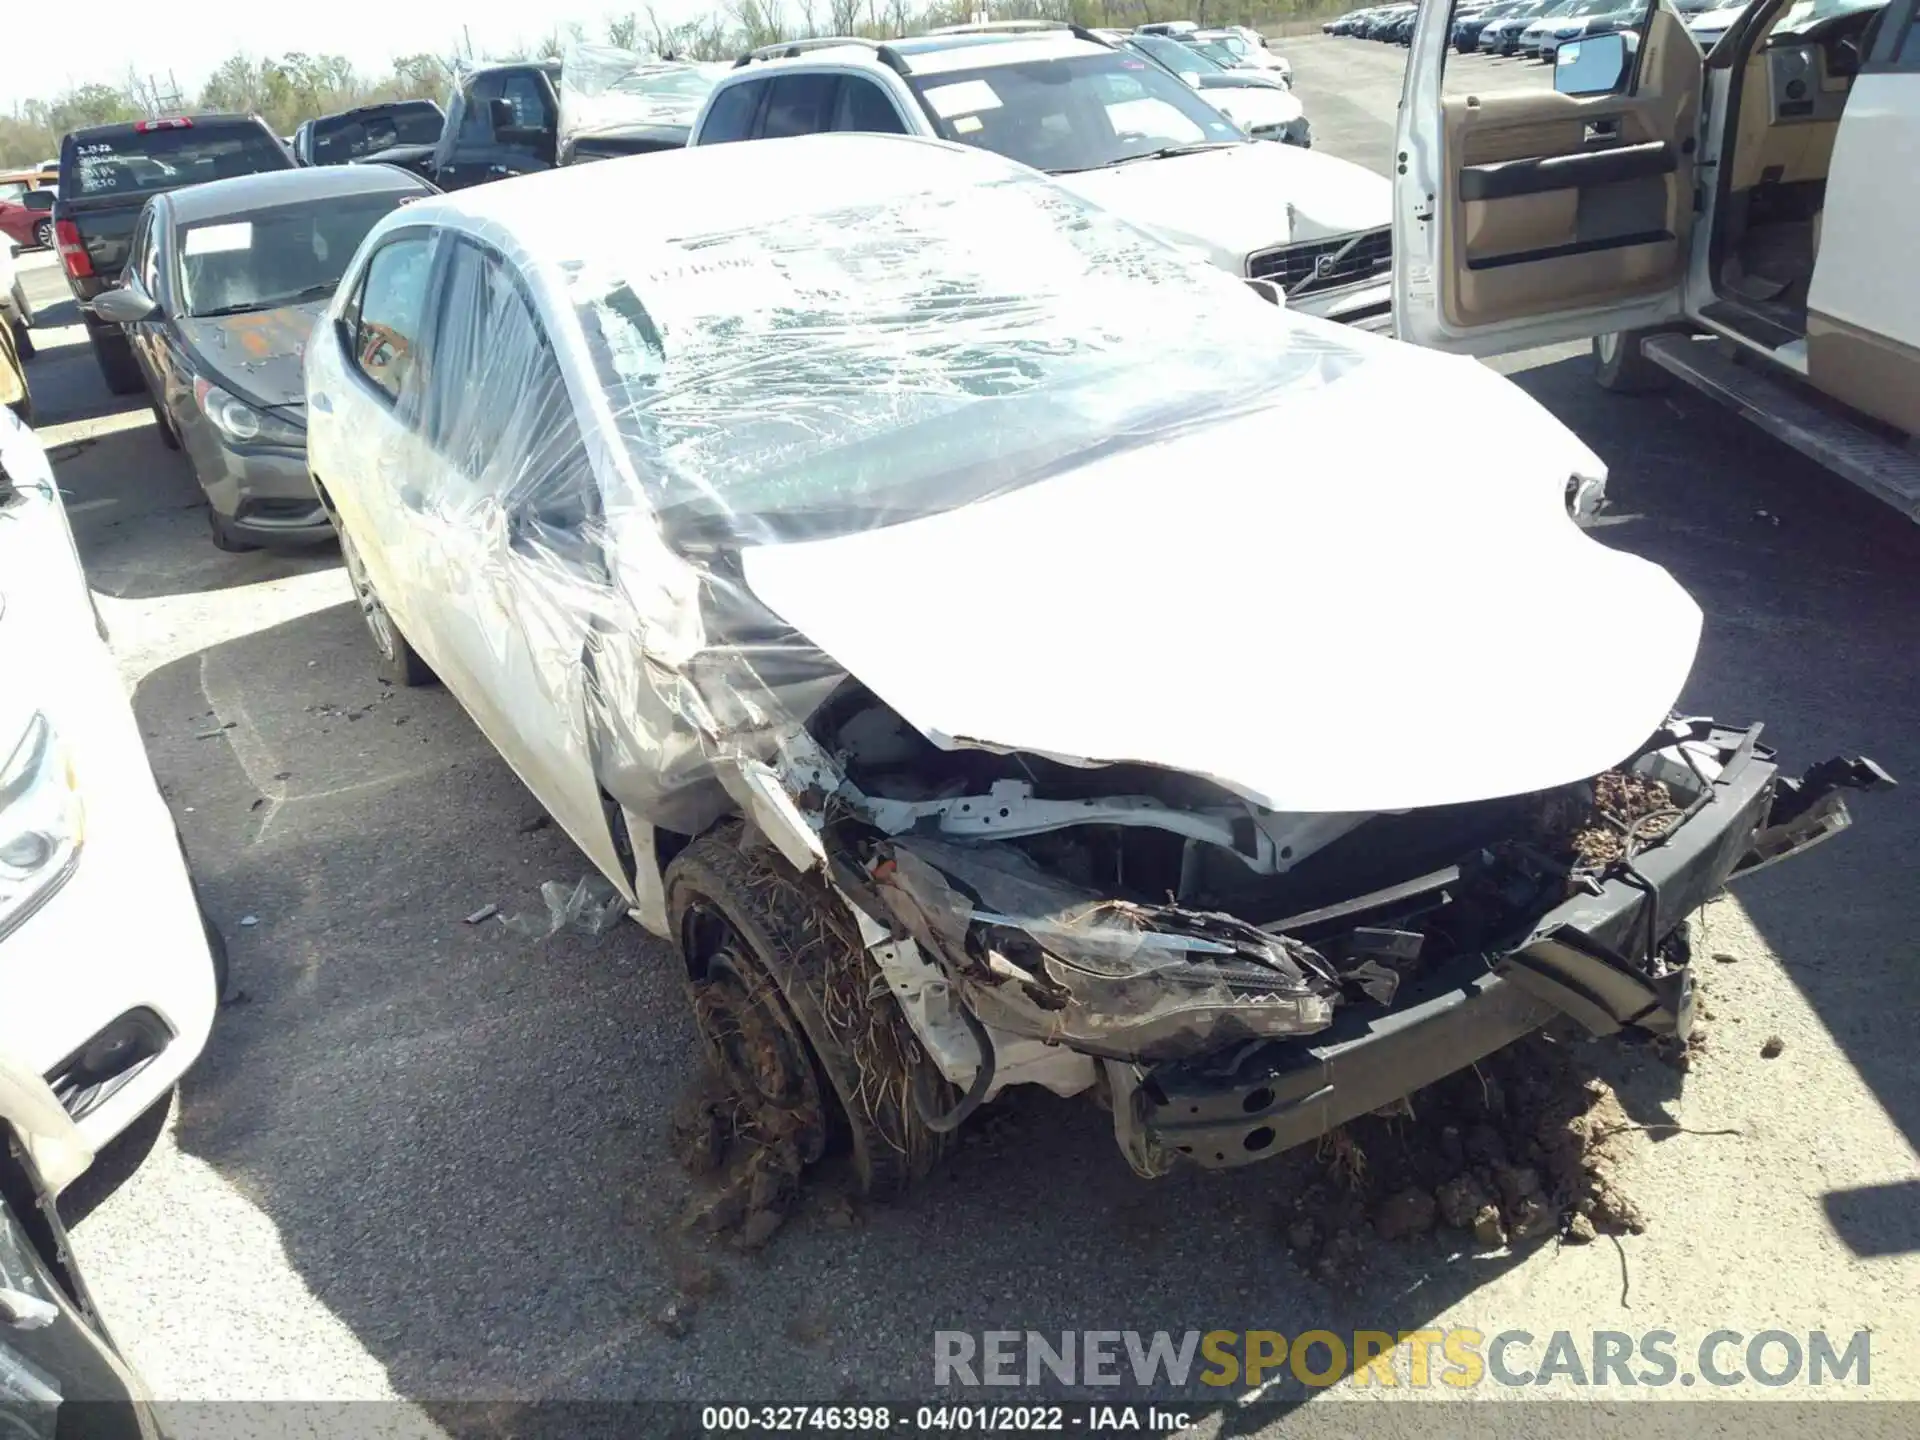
(1598,957)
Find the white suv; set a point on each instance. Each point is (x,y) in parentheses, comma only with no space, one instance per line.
(1108,124)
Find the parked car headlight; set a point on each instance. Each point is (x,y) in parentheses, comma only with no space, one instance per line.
(42,822)
(242,423)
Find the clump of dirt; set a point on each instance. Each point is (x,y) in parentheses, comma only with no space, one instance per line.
(750,1156)
(1628,812)
(1517,1148)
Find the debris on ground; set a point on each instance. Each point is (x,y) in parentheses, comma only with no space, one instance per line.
(1725,957)
(592,907)
(1772,1047)
(1522,1146)
(485,912)
(674,1319)
(249,920)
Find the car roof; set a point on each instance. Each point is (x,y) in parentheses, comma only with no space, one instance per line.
(579,214)
(937,54)
(214,198)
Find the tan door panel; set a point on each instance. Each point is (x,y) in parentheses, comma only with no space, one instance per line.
(1557,202)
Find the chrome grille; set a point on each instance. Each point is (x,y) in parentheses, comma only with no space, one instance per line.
(1288,265)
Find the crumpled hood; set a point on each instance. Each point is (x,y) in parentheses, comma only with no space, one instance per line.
(1325,604)
(260,356)
(1242,198)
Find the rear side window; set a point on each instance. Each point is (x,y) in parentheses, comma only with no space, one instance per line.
(386,328)
(136,162)
(731,117)
(864,106)
(799,105)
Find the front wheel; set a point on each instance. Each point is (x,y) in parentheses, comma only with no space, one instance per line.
(399,662)
(43,234)
(1622,366)
(794,1018)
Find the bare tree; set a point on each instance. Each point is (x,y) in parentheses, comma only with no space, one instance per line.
(843,16)
(624,31)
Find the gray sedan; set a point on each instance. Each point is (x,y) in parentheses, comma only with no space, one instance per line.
(222,286)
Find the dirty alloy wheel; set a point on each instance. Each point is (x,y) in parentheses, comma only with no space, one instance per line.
(1620,365)
(792,1015)
(398,662)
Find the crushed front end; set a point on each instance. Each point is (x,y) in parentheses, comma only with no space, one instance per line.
(1236,981)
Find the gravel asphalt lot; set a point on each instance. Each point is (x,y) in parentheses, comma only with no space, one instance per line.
(423,1159)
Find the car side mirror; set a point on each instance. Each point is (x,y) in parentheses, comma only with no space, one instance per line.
(500,115)
(1593,66)
(129,304)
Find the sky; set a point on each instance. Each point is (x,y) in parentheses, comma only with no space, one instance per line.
(119,34)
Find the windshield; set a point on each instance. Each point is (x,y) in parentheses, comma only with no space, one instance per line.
(915,353)
(338,139)
(134,162)
(1081,112)
(285,256)
(1181,59)
(1808,13)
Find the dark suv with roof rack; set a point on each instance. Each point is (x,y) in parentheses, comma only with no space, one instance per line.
(107,174)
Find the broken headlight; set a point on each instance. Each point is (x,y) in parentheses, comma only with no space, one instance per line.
(1038,957)
(41,822)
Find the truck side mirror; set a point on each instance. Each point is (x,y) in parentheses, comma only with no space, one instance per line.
(1596,65)
(500,115)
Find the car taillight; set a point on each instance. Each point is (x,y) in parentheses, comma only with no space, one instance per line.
(182,122)
(73,250)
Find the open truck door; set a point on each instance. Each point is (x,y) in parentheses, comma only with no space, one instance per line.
(1557,206)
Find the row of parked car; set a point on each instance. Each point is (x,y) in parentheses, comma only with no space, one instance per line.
(1150,124)
(1534,28)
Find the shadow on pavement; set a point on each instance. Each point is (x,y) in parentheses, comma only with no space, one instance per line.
(1812,594)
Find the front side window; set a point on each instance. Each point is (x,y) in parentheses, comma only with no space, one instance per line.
(864,106)
(392,300)
(1078,113)
(498,409)
(263,259)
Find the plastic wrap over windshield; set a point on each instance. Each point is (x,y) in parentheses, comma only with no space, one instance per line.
(605,88)
(798,373)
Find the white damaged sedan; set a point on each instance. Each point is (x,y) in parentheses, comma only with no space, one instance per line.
(996,647)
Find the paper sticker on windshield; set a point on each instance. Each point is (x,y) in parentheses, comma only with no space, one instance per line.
(965,97)
(966,124)
(219,239)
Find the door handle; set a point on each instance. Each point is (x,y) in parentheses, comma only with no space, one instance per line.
(22,1311)
(1602,130)
(320,402)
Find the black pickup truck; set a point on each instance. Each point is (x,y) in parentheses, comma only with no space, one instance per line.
(506,120)
(107,173)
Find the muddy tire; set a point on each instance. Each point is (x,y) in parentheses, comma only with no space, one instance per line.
(775,970)
(1620,365)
